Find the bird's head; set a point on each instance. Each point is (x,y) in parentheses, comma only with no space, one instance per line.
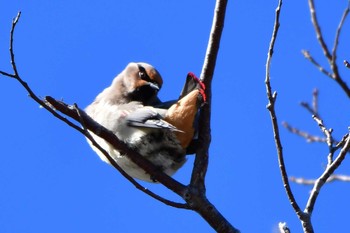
(137,82)
(140,82)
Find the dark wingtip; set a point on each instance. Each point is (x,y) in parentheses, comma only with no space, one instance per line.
(201,87)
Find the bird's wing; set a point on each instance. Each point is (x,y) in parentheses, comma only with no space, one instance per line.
(192,83)
(149,117)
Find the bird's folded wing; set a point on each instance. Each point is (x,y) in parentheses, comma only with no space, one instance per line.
(192,83)
(149,117)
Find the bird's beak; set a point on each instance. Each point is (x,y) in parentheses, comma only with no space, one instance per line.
(154,86)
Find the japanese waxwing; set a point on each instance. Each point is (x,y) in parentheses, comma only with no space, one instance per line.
(131,109)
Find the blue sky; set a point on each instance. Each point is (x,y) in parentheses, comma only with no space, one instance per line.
(51,181)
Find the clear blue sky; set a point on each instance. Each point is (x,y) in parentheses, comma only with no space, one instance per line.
(51,181)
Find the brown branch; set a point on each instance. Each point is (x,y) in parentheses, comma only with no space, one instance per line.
(112,139)
(196,191)
(201,160)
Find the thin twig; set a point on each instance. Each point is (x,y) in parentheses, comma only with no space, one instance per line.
(7,74)
(331,178)
(329,138)
(12,54)
(337,34)
(317,27)
(309,137)
(315,102)
(24,84)
(313,109)
(308,56)
(271,107)
(333,62)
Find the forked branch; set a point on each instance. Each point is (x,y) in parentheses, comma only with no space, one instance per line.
(331,56)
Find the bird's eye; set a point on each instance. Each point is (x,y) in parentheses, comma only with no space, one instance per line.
(142,75)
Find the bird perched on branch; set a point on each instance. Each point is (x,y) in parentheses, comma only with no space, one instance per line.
(159,131)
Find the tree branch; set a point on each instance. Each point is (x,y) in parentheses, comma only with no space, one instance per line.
(317,27)
(271,107)
(325,176)
(331,178)
(331,57)
(308,56)
(196,191)
(201,160)
(309,137)
(304,218)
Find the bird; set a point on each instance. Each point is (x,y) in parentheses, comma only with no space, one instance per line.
(159,131)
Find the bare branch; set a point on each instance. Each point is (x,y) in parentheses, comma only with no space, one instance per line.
(271,107)
(304,217)
(317,27)
(337,34)
(329,138)
(308,56)
(14,23)
(309,138)
(197,184)
(201,160)
(332,178)
(330,57)
(7,74)
(325,176)
(315,102)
